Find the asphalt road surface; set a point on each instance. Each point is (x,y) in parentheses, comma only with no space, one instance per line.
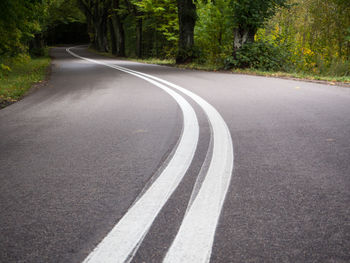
(117,161)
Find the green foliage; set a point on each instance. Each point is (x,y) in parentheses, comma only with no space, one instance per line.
(261,56)
(18,24)
(186,55)
(310,36)
(23,21)
(252,14)
(5,69)
(213,31)
(130,40)
(336,67)
(161,24)
(63,12)
(15,82)
(315,33)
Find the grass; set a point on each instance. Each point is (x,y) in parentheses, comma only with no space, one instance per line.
(302,76)
(15,83)
(333,80)
(296,75)
(158,61)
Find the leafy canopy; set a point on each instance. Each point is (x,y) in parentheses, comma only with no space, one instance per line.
(252,14)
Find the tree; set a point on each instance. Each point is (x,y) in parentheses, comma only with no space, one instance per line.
(161,27)
(117,29)
(135,11)
(187,20)
(96,13)
(213,31)
(316,33)
(63,23)
(249,15)
(18,25)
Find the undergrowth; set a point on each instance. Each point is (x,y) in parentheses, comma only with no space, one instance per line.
(18,75)
(267,68)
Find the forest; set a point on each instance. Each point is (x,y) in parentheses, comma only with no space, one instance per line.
(305,36)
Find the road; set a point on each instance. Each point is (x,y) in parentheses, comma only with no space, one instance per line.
(119,161)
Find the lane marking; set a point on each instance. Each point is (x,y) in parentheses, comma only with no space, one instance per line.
(123,240)
(195,238)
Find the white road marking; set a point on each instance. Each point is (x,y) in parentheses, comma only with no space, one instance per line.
(195,238)
(123,240)
(193,243)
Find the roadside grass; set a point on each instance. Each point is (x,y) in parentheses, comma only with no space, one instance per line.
(302,76)
(332,80)
(158,61)
(16,82)
(289,75)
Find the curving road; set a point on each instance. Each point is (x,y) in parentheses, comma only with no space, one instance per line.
(117,161)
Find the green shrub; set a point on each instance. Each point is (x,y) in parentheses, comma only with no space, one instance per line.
(213,31)
(336,67)
(261,55)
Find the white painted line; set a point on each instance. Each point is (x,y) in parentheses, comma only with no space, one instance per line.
(194,241)
(195,238)
(123,240)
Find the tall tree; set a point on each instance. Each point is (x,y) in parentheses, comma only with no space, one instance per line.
(117,29)
(19,22)
(213,31)
(160,27)
(96,12)
(249,15)
(139,23)
(187,20)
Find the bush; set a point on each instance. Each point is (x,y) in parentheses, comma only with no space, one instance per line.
(187,56)
(261,55)
(213,31)
(335,67)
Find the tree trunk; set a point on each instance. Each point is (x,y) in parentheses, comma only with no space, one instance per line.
(112,33)
(241,37)
(101,43)
(156,42)
(139,37)
(87,10)
(96,13)
(187,20)
(119,33)
(121,40)
(98,41)
(105,46)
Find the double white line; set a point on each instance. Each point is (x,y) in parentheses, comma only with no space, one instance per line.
(194,240)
